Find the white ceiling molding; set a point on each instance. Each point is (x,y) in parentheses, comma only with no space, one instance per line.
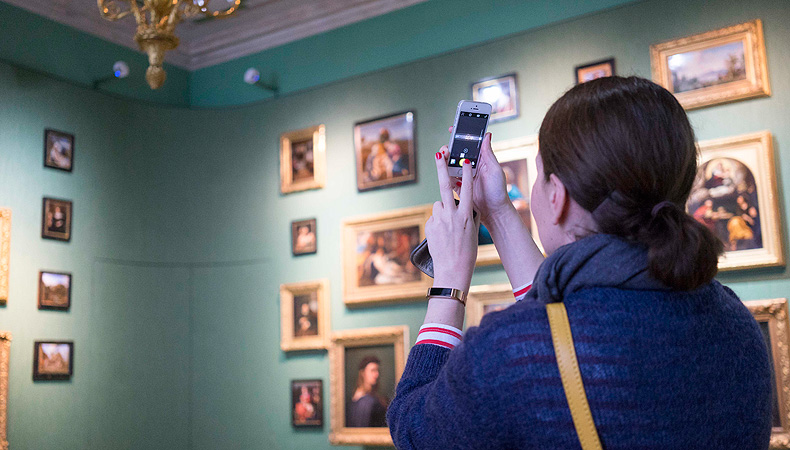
(259,25)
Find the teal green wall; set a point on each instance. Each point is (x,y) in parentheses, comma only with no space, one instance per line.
(182,238)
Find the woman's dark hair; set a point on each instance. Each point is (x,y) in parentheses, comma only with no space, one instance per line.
(625,151)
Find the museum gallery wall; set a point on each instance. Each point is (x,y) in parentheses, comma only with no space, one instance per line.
(227,286)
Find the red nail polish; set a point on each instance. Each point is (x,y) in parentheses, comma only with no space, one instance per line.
(437,155)
(466,161)
(458,183)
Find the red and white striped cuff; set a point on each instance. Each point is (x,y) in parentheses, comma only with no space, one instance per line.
(439,334)
(521,292)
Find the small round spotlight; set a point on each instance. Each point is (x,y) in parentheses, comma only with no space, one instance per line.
(120,69)
(251,76)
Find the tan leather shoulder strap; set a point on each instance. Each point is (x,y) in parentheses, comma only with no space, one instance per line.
(571,376)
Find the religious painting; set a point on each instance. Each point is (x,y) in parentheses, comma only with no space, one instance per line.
(517,158)
(385,151)
(307,403)
(54,290)
(5,349)
(365,367)
(304,315)
(719,66)
(53,360)
(303,237)
(376,263)
(58,150)
(487,299)
(734,195)
(501,93)
(771,315)
(56,219)
(592,71)
(5,253)
(303,159)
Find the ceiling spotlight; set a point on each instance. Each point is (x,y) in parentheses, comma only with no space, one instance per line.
(119,70)
(253,77)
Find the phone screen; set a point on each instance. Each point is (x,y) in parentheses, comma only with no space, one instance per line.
(468,138)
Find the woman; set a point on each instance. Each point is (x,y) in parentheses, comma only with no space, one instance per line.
(669,357)
(367,407)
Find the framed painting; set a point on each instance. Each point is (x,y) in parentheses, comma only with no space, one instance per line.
(719,66)
(5,349)
(303,237)
(58,150)
(734,195)
(53,360)
(385,151)
(56,219)
(501,93)
(485,299)
(303,159)
(304,315)
(307,403)
(771,315)
(365,367)
(517,158)
(591,71)
(376,250)
(54,290)
(5,253)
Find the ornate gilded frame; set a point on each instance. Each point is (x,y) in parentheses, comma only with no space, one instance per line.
(287,183)
(512,80)
(5,253)
(411,177)
(756,83)
(289,342)
(355,295)
(5,349)
(774,312)
(397,336)
(756,151)
(481,296)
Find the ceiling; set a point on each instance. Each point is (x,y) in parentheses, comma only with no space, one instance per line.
(258,25)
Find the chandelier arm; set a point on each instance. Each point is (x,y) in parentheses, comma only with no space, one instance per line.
(110,10)
(138,16)
(225,13)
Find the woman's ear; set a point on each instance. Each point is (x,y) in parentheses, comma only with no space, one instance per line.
(558,199)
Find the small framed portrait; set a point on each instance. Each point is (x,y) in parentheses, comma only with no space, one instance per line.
(485,299)
(501,93)
(716,67)
(385,151)
(5,253)
(376,250)
(734,195)
(517,158)
(591,71)
(303,159)
(303,237)
(304,315)
(5,349)
(365,367)
(771,315)
(54,290)
(56,219)
(307,403)
(58,150)
(53,360)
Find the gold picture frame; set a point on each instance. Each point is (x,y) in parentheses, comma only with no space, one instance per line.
(735,55)
(396,336)
(735,196)
(5,253)
(314,141)
(372,276)
(482,298)
(518,151)
(772,317)
(5,349)
(314,335)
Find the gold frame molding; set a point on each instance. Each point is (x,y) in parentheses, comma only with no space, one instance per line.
(5,350)
(288,342)
(481,296)
(774,311)
(397,336)
(5,253)
(287,184)
(354,295)
(756,83)
(764,171)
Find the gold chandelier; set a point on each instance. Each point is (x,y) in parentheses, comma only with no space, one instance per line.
(156,23)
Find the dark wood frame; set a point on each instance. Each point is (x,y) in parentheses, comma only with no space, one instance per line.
(69,221)
(295,224)
(57,308)
(293,405)
(52,377)
(492,118)
(609,61)
(412,178)
(71,138)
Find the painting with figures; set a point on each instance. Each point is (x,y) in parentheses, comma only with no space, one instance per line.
(307,400)
(304,315)
(385,151)
(383,256)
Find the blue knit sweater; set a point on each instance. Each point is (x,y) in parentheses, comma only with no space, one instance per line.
(662,369)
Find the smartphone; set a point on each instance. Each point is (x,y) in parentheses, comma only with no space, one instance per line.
(471,121)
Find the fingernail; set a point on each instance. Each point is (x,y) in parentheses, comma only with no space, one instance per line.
(458,183)
(466,161)
(437,155)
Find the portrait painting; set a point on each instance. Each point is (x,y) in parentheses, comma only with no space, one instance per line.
(501,93)
(592,71)
(5,348)
(58,150)
(718,66)
(303,159)
(303,237)
(376,250)
(307,403)
(54,290)
(304,311)
(385,151)
(734,196)
(366,366)
(5,253)
(56,219)
(487,299)
(53,360)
